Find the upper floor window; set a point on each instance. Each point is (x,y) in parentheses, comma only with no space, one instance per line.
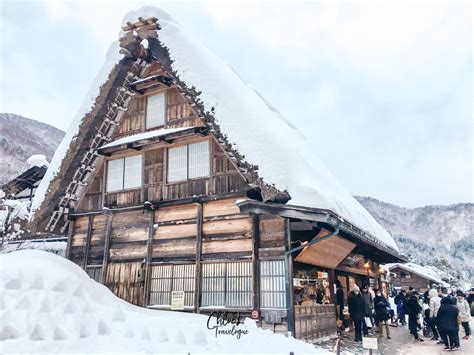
(188,161)
(124,173)
(156,110)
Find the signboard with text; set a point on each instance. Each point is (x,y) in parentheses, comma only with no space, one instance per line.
(177,300)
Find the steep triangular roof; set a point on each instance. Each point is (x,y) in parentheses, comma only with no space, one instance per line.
(251,129)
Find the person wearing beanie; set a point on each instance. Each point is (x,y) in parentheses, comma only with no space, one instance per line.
(447,320)
(464,313)
(435,303)
(356,305)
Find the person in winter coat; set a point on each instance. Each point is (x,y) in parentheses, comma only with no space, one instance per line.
(464,313)
(382,313)
(369,306)
(400,300)
(356,311)
(470,300)
(413,309)
(339,299)
(435,303)
(447,320)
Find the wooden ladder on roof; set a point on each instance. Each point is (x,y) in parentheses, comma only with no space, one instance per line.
(88,163)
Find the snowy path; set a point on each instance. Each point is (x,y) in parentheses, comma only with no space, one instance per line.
(402,343)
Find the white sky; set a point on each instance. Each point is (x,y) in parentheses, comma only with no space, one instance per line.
(383,90)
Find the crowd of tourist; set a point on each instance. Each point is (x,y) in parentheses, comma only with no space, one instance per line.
(437,312)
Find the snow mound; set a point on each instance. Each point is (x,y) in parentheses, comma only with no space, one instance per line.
(37,160)
(52,318)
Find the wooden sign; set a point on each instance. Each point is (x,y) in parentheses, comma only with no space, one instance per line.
(177,300)
(322,275)
(369,343)
(273,316)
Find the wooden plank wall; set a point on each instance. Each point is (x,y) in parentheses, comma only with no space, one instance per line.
(129,236)
(272,237)
(122,280)
(226,232)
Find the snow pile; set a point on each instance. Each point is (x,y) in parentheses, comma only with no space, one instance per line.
(49,305)
(12,214)
(257,129)
(146,135)
(38,160)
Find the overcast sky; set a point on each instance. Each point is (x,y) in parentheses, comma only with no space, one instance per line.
(382,90)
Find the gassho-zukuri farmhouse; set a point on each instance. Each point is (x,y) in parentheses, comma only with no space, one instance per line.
(177,176)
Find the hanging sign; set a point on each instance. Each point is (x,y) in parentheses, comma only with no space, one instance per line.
(322,275)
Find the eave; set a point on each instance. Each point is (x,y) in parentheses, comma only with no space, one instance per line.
(325,217)
(138,144)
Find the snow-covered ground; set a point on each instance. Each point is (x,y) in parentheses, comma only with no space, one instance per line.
(49,305)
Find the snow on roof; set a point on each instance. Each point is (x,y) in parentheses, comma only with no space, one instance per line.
(37,160)
(257,130)
(146,135)
(419,270)
(50,305)
(112,57)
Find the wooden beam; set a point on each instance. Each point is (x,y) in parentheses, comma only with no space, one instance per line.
(289,282)
(149,255)
(69,239)
(108,232)
(255,263)
(197,286)
(90,222)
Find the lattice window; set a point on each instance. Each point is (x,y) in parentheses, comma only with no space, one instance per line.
(198,164)
(166,278)
(272,284)
(124,173)
(156,110)
(227,284)
(189,161)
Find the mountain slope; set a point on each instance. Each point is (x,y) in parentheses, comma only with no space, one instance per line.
(22,137)
(442,236)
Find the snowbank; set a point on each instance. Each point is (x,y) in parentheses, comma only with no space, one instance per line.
(48,304)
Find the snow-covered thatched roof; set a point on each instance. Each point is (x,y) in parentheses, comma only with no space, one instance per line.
(420,271)
(256,129)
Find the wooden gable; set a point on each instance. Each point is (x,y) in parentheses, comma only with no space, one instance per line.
(225,178)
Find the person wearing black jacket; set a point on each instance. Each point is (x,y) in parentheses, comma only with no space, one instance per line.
(382,314)
(356,311)
(447,320)
(339,300)
(413,309)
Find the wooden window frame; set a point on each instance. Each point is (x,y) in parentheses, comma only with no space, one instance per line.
(187,163)
(172,278)
(123,158)
(226,281)
(279,294)
(165,120)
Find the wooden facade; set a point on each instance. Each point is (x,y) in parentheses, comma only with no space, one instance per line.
(404,278)
(204,227)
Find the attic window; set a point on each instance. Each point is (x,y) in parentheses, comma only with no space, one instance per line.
(156,110)
(188,161)
(125,173)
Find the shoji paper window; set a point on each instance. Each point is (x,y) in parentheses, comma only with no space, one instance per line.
(156,110)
